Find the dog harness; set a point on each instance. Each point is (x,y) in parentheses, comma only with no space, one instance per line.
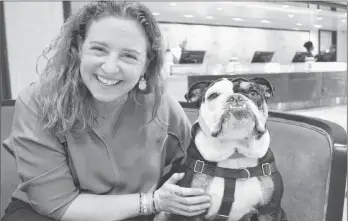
(194,163)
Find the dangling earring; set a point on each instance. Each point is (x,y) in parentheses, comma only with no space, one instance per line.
(142,85)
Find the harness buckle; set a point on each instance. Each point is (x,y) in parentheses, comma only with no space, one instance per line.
(200,166)
(248,173)
(266,169)
(222,216)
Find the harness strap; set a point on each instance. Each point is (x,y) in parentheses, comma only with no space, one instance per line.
(227,200)
(187,180)
(198,166)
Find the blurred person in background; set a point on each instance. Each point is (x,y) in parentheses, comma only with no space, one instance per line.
(333,52)
(176,52)
(309,48)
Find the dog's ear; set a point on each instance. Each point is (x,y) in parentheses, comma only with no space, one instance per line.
(196,91)
(266,85)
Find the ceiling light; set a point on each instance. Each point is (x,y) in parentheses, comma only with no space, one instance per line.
(290,15)
(318,26)
(320,18)
(209,17)
(298,24)
(155,13)
(188,16)
(219,9)
(344,20)
(285,6)
(238,19)
(265,21)
(172,4)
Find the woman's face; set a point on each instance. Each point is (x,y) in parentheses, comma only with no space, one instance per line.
(113,57)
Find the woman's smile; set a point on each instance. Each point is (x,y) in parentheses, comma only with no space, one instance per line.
(107,82)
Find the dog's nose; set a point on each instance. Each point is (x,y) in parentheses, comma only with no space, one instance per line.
(235,98)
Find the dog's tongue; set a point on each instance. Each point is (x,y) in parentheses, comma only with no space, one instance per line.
(236,155)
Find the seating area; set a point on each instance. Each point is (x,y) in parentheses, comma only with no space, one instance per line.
(311,155)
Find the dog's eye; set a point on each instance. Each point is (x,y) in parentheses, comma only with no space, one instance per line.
(213,96)
(253,93)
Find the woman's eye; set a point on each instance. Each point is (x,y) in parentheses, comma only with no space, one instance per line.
(131,56)
(213,96)
(100,49)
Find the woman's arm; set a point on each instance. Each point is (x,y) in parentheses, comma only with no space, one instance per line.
(169,198)
(46,176)
(102,207)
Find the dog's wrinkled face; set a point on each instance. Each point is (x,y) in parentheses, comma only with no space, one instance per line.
(232,108)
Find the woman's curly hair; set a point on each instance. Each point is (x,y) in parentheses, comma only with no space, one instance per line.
(65,101)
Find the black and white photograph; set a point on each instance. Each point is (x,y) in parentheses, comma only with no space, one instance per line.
(143,110)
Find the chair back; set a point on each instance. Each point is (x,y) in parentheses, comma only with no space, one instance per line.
(9,177)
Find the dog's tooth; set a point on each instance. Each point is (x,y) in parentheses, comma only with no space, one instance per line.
(231,107)
(244,105)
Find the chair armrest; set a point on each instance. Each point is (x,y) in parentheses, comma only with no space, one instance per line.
(338,170)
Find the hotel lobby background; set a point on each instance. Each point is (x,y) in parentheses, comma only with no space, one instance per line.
(309,88)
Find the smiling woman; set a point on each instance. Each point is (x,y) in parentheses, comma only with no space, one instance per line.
(92,136)
(103,56)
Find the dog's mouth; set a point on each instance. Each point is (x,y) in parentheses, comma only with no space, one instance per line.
(239,112)
(236,112)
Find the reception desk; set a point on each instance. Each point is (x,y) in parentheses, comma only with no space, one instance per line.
(325,84)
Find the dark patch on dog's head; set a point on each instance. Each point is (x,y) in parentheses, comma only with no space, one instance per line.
(196,93)
(256,89)
(267,87)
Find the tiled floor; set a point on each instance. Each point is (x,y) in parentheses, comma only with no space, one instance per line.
(337,114)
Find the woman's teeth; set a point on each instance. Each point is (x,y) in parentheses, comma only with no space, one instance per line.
(107,82)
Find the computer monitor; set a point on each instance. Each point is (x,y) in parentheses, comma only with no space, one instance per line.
(325,57)
(300,56)
(262,57)
(192,57)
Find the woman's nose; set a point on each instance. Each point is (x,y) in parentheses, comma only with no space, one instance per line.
(111,65)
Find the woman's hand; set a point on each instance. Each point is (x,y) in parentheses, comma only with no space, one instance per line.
(174,199)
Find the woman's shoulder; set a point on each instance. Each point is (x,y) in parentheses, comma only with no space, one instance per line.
(171,104)
(173,111)
(29,95)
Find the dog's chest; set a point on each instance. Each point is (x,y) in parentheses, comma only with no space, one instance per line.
(248,194)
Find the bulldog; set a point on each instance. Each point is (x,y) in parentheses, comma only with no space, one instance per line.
(229,155)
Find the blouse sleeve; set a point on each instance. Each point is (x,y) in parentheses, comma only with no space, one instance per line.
(179,132)
(41,161)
